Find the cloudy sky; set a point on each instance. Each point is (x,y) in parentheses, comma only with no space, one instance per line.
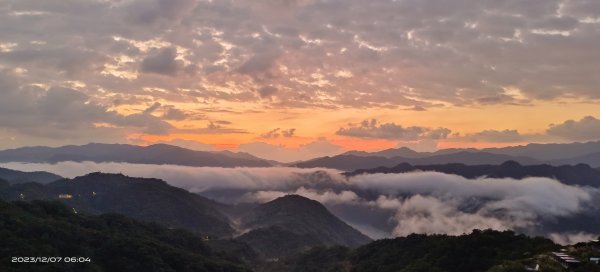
(291,79)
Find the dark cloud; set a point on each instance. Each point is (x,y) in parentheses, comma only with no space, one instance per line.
(275,133)
(288,133)
(64,112)
(418,108)
(152,11)
(452,51)
(212,127)
(271,134)
(152,108)
(267,91)
(162,62)
(71,62)
(172,113)
(391,131)
(259,64)
(586,129)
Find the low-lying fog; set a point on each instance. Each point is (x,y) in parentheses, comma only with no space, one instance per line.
(386,205)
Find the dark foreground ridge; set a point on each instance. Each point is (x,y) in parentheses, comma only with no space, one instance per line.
(291,233)
(116,243)
(111,242)
(479,251)
(140,198)
(285,225)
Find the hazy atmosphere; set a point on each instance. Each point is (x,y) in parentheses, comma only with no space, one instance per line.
(252,75)
(380,205)
(300,135)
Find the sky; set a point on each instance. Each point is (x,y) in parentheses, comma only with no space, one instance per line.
(295,79)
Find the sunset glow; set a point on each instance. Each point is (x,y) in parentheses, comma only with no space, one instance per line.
(291,80)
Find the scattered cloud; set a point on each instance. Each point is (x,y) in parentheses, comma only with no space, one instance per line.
(586,129)
(163,62)
(267,91)
(172,113)
(390,131)
(64,112)
(275,133)
(320,147)
(417,108)
(438,52)
(493,136)
(291,54)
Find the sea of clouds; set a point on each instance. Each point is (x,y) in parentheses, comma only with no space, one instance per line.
(385,205)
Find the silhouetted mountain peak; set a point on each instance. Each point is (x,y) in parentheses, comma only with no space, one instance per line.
(100,179)
(510,164)
(294,204)
(305,221)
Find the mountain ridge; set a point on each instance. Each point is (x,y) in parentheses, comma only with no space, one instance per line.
(15,176)
(353,162)
(140,198)
(152,154)
(306,221)
(580,174)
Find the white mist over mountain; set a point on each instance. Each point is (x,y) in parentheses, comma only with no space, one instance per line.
(380,205)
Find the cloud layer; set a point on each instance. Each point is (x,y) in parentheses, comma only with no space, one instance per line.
(383,205)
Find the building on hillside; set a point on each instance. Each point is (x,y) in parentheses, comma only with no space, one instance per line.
(565,260)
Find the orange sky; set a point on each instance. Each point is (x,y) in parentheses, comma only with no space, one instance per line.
(311,124)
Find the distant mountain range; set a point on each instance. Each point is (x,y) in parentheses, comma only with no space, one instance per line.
(354,162)
(540,152)
(153,154)
(14,176)
(580,174)
(531,154)
(554,154)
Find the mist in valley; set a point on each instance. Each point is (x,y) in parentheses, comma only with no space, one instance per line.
(385,205)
